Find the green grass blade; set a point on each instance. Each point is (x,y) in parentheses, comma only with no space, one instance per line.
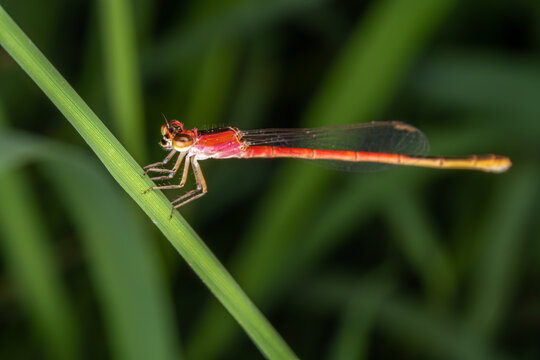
(29,259)
(125,91)
(30,262)
(128,174)
(213,86)
(257,86)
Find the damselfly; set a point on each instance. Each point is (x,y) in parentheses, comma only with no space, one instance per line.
(358,147)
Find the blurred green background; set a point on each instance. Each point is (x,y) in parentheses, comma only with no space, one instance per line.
(406,263)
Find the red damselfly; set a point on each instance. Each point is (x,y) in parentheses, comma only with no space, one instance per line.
(358,147)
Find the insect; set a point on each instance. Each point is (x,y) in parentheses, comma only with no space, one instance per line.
(358,147)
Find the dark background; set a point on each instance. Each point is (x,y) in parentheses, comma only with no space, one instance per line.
(406,263)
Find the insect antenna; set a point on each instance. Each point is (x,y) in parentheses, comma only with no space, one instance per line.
(166,121)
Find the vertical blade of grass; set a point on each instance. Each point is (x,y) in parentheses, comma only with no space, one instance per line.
(213,86)
(29,259)
(125,91)
(361,83)
(501,245)
(213,72)
(31,264)
(128,174)
(256,89)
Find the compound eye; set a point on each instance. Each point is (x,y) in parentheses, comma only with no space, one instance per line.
(163,142)
(182,141)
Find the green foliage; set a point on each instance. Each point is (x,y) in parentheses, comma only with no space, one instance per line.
(408,263)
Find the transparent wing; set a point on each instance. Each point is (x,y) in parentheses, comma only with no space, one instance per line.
(381,137)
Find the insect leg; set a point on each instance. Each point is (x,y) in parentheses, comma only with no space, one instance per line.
(173,171)
(182,182)
(195,193)
(155,167)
